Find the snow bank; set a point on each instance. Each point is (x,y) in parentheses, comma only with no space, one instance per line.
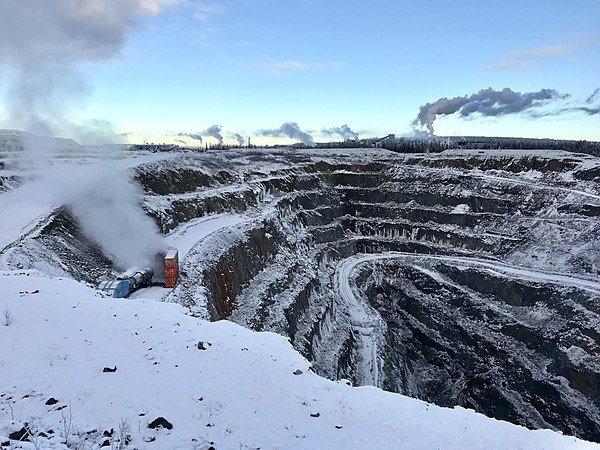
(218,384)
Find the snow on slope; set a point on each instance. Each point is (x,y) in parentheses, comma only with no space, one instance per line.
(242,390)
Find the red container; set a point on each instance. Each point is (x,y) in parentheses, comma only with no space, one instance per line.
(170,282)
(171,272)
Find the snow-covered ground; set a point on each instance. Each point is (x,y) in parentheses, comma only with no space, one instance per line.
(218,384)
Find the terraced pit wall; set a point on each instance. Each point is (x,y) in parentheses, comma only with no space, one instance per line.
(514,346)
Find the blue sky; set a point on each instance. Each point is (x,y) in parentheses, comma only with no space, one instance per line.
(251,65)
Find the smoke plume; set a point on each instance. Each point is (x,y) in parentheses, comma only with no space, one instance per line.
(592,104)
(195,136)
(290,130)
(344,131)
(238,138)
(487,102)
(215,132)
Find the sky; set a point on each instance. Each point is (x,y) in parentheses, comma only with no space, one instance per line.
(194,72)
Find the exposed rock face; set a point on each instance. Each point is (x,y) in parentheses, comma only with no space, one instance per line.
(465,279)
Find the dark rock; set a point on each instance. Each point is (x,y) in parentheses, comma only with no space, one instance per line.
(315,415)
(298,372)
(203,345)
(108,433)
(51,401)
(108,369)
(21,435)
(160,422)
(5,443)
(105,443)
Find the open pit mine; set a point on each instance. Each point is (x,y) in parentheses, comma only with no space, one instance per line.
(466,278)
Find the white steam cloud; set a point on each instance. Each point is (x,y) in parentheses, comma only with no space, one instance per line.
(215,132)
(107,206)
(212,131)
(195,136)
(238,138)
(345,132)
(43,41)
(42,44)
(290,130)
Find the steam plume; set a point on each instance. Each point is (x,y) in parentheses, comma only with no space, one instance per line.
(106,205)
(214,131)
(43,42)
(344,131)
(44,55)
(486,102)
(195,136)
(291,130)
(238,137)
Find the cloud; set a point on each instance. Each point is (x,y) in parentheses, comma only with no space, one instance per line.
(290,130)
(44,42)
(594,97)
(344,131)
(487,102)
(282,67)
(512,65)
(203,11)
(525,59)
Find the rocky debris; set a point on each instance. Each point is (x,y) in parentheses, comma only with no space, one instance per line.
(110,369)
(21,435)
(203,345)
(51,401)
(160,422)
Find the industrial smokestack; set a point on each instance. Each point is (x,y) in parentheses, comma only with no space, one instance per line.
(487,102)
